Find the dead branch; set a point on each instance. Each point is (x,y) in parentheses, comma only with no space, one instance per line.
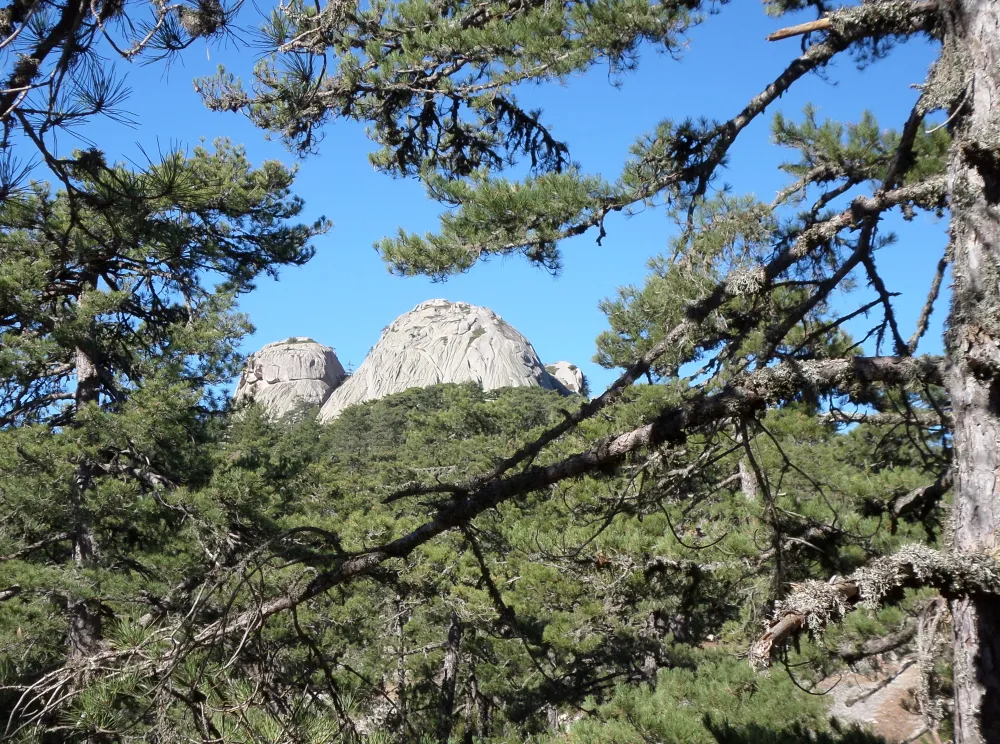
(800,29)
(29,549)
(744,396)
(854,652)
(859,212)
(920,418)
(920,499)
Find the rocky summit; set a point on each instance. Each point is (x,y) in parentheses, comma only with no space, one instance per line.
(441,341)
(569,376)
(438,341)
(288,374)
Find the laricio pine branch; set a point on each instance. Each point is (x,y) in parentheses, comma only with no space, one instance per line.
(860,210)
(814,605)
(744,396)
(846,16)
(29,549)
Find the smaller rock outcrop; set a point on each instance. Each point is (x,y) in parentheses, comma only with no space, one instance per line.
(882,699)
(569,376)
(287,374)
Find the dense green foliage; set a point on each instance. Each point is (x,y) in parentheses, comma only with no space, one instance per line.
(453,564)
(111,344)
(584,593)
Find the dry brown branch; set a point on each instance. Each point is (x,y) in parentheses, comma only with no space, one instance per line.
(854,652)
(860,211)
(921,498)
(802,28)
(28,549)
(921,418)
(742,397)
(745,396)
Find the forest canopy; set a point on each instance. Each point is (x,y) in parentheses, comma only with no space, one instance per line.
(761,504)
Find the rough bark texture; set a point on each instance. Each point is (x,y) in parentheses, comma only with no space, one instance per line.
(449,678)
(84,630)
(973,342)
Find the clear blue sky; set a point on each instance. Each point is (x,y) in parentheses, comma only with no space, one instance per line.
(345,296)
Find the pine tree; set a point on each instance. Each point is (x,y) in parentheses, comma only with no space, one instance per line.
(111,342)
(749,287)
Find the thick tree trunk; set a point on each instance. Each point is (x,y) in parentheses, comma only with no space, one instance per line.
(973,342)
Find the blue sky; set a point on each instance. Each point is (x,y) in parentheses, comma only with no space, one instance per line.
(345,296)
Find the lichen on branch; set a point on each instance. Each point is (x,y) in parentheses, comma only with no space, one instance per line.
(814,605)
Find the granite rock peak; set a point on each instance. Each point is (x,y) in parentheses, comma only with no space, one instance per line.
(286,375)
(438,341)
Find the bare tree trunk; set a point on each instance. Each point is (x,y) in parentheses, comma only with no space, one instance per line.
(748,479)
(973,342)
(84,632)
(88,378)
(449,678)
(401,618)
(477,708)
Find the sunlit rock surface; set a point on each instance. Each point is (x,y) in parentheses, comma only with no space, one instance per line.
(569,376)
(288,374)
(441,341)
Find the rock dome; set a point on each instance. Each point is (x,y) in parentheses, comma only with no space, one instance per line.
(442,341)
(287,374)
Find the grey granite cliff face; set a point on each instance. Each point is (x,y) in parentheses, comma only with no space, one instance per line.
(441,341)
(290,373)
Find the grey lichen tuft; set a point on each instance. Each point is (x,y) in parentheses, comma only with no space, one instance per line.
(820,604)
(947,81)
(882,16)
(814,605)
(745,282)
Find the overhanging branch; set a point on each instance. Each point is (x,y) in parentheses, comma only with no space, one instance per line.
(846,16)
(814,605)
(748,394)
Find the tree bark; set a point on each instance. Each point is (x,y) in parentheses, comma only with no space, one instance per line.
(748,482)
(84,631)
(973,343)
(449,679)
(402,616)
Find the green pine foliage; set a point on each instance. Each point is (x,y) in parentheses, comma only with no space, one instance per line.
(612,600)
(453,564)
(111,345)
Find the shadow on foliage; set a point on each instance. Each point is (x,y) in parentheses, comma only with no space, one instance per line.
(725,733)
